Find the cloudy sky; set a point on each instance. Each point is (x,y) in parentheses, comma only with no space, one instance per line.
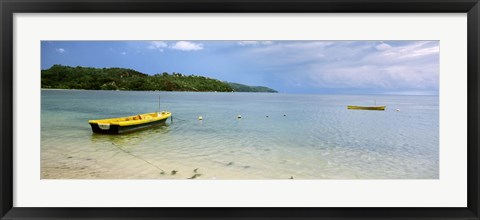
(346,67)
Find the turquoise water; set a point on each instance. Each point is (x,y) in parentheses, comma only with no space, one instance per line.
(279,136)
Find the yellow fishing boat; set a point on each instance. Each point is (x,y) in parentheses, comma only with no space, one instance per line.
(355,107)
(129,124)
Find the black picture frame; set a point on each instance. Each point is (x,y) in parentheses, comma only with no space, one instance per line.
(9,7)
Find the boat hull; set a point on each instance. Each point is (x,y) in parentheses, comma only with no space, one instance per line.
(117,129)
(377,108)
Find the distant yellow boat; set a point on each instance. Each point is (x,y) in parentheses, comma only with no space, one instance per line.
(355,107)
(129,123)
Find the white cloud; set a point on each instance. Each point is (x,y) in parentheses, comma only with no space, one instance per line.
(392,65)
(293,53)
(157,45)
(409,65)
(247,43)
(60,50)
(254,43)
(383,46)
(404,54)
(426,51)
(424,76)
(187,46)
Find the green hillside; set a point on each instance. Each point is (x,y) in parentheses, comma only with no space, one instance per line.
(66,77)
(244,88)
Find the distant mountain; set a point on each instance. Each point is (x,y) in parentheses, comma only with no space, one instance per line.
(244,88)
(66,77)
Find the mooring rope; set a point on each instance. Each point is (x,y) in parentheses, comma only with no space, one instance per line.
(177,119)
(162,171)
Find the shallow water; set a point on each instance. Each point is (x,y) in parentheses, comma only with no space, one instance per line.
(304,136)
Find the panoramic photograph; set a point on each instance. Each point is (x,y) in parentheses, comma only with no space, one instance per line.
(240,110)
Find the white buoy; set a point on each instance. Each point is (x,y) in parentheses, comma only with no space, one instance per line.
(200,118)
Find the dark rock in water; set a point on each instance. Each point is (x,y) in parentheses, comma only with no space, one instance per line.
(195,176)
(69,157)
(284,115)
(174,172)
(195,170)
(163,172)
(291,178)
(229,164)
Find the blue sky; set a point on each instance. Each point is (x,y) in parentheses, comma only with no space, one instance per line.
(343,67)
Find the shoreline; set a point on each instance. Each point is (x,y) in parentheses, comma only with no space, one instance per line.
(53,89)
